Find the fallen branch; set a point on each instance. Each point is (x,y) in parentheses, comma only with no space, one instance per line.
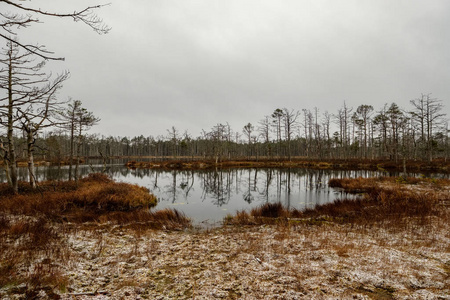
(90,293)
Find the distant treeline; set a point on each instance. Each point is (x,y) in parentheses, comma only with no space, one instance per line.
(418,132)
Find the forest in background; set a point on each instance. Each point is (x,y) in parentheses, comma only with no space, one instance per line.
(419,132)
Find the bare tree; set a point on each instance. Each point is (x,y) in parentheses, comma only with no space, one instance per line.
(428,117)
(307,129)
(247,130)
(85,120)
(37,116)
(264,132)
(326,120)
(218,139)
(289,124)
(174,139)
(30,95)
(19,15)
(343,120)
(447,141)
(316,130)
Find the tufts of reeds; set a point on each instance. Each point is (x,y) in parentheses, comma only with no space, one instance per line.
(268,213)
(390,202)
(270,210)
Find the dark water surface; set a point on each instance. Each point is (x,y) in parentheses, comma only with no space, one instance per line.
(208,196)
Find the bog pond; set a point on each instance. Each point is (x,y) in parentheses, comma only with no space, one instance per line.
(207,196)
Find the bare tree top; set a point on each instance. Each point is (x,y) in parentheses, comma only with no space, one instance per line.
(18,15)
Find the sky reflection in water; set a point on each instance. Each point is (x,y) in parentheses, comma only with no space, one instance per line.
(208,196)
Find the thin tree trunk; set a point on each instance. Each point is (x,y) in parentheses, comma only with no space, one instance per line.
(72,129)
(77,163)
(30,150)
(10,136)
(6,163)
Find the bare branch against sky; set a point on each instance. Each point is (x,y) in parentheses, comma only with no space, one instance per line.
(193,64)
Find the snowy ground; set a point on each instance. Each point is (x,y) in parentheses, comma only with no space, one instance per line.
(265,262)
(327,261)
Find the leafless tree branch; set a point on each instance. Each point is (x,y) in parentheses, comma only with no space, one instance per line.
(15,20)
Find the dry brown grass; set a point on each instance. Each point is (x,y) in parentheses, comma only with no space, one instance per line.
(396,201)
(268,213)
(270,210)
(353,185)
(399,213)
(389,202)
(438,165)
(403,219)
(31,244)
(90,199)
(34,224)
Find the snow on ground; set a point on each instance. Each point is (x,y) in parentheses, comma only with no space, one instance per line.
(328,261)
(264,262)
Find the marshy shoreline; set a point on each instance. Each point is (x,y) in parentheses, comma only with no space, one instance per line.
(394,243)
(384,165)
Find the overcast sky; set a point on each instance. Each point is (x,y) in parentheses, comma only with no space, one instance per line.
(193,64)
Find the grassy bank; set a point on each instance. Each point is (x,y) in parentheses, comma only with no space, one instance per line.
(199,163)
(394,202)
(336,164)
(35,224)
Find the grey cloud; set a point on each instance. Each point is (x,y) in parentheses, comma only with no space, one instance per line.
(192,64)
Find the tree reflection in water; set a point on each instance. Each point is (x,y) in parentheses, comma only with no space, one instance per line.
(217,186)
(211,194)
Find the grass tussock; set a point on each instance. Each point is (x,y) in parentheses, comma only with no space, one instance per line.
(392,202)
(93,197)
(34,223)
(268,213)
(270,210)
